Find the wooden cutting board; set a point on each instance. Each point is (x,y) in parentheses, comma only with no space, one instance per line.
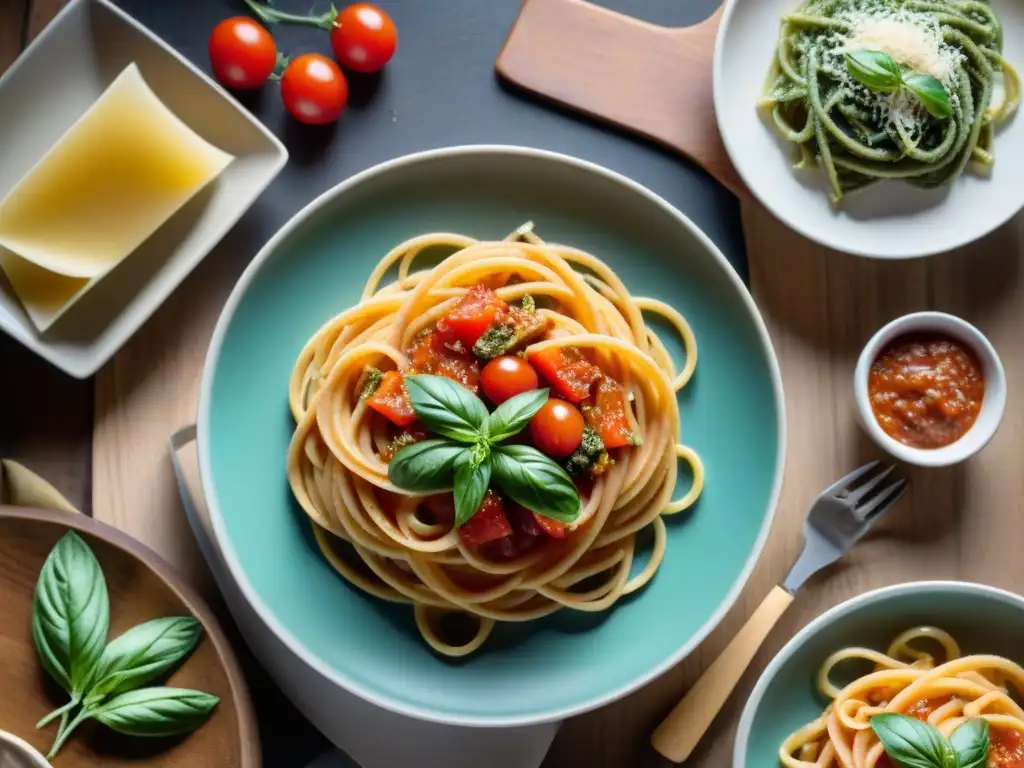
(820,306)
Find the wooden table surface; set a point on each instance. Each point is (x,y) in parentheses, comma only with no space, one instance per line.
(820,306)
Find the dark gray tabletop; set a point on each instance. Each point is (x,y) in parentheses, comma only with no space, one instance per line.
(439,90)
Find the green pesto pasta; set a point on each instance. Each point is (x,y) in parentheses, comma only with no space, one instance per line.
(859,136)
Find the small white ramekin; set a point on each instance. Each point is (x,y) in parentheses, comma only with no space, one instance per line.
(992,406)
(20,754)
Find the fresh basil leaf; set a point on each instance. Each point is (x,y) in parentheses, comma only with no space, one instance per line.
(472,476)
(910,743)
(511,417)
(536,482)
(156,711)
(425,466)
(931,93)
(446,407)
(143,654)
(71,614)
(875,69)
(970,743)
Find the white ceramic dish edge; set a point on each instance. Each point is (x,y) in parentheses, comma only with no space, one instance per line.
(227,550)
(992,405)
(20,752)
(85,369)
(739,756)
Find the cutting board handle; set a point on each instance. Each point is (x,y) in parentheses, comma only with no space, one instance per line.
(653,80)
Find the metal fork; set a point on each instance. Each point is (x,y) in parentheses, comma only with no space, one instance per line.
(840,517)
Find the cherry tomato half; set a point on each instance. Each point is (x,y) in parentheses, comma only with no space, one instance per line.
(557,428)
(364,38)
(314,89)
(242,53)
(505,377)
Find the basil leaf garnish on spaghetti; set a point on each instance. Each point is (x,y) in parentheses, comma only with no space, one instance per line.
(911,743)
(930,92)
(875,69)
(446,407)
(511,417)
(533,480)
(472,476)
(426,466)
(970,743)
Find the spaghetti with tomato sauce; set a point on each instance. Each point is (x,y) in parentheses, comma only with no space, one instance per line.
(501,319)
(922,675)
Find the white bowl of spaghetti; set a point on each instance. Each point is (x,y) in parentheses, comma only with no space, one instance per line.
(443,455)
(924,658)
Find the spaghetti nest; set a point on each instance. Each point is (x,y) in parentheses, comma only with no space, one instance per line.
(907,680)
(379,537)
(859,136)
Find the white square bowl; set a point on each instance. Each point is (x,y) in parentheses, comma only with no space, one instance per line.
(56,79)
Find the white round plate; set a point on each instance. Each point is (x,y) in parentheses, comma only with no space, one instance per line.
(892,220)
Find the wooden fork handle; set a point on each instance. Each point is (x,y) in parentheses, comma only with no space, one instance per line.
(680,732)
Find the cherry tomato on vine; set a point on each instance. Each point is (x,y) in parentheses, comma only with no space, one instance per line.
(557,428)
(242,53)
(364,38)
(507,376)
(314,89)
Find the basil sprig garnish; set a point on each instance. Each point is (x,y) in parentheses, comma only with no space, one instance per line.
(70,623)
(881,72)
(472,454)
(911,743)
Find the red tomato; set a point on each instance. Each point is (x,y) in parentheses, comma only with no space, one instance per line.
(429,354)
(505,377)
(607,415)
(471,316)
(242,53)
(441,506)
(557,428)
(1007,748)
(364,38)
(488,524)
(568,371)
(553,528)
(314,89)
(392,401)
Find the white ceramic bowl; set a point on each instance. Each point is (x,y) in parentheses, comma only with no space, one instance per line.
(51,85)
(15,753)
(992,406)
(892,220)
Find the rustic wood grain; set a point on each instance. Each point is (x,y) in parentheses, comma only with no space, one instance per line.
(654,80)
(12,27)
(141,588)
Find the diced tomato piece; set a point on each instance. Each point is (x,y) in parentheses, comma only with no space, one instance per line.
(567,370)
(474,313)
(488,524)
(441,507)
(392,401)
(884,762)
(553,528)
(430,354)
(509,547)
(606,414)
(1007,748)
(523,520)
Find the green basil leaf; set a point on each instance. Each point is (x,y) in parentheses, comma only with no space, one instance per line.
(143,654)
(446,407)
(425,466)
(970,743)
(156,711)
(931,92)
(531,479)
(911,743)
(511,417)
(472,476)
(875,69)
(71,614)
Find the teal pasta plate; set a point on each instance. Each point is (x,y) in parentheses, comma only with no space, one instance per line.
(312,435)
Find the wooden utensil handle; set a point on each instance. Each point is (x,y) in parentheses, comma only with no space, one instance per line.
(650,79)
(680,732)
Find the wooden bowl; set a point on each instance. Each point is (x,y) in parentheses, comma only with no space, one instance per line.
(142,586)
